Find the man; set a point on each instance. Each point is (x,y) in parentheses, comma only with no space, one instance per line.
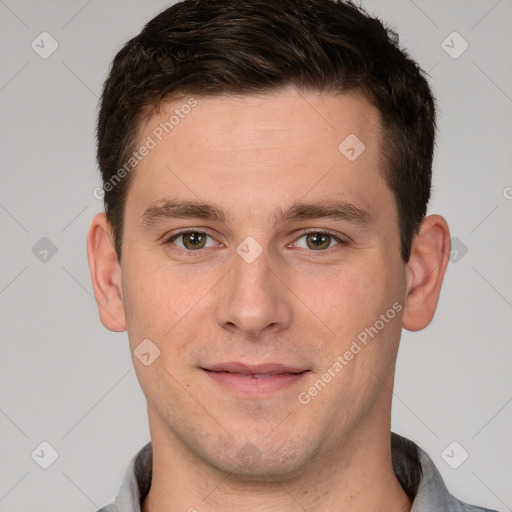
(267,169)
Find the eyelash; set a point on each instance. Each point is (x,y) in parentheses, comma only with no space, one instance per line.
(170,240)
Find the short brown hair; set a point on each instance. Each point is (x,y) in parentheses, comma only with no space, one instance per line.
(214,47)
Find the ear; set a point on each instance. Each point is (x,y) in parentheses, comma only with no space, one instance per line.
(105,274)
(425,270)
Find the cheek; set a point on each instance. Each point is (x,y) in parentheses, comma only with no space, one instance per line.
(166,303)
(154,298)
(352,293)
(355,298)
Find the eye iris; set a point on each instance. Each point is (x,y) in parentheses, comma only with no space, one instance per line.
(318,240)
(196,240)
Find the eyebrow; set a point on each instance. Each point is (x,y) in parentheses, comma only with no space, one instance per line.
(169,209)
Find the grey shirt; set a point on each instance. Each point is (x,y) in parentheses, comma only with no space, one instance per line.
(414,469)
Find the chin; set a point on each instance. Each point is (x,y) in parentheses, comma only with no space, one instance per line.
(264,461)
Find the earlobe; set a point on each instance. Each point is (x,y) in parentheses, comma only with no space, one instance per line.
(425,271)
(105,274)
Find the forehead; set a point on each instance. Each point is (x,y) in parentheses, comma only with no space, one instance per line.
(267,149)
(268,118)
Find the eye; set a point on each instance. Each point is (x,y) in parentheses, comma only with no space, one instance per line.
(191,240)
(318,241)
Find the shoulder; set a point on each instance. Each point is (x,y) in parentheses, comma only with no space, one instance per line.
(422,481)
(461,506)
(136,483)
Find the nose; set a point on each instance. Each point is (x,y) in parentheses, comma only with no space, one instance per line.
(253,300)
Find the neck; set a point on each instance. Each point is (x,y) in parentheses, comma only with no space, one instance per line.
(357,477)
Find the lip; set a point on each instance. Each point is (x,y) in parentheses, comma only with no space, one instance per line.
(254,380)
(246,369)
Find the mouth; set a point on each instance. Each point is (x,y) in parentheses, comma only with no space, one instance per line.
(254,380)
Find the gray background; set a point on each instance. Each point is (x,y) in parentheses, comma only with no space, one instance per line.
(66,380)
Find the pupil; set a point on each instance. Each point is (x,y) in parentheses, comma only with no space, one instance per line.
(195,239)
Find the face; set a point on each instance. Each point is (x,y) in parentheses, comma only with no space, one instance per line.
(261,255)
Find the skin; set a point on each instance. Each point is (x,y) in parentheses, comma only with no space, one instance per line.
(293,305)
